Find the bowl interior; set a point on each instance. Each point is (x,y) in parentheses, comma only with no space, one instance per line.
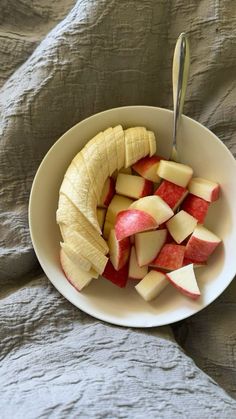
(199,148)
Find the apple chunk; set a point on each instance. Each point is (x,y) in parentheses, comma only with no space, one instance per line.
(148,244)
(201,244)
(204,189)
(177,173)
(195,206)
(133,221)
(135,271)
(172,194)
(147,168)
(185,281)
(76,276)
(133,186)
(118,250)
(107,193)
(152,285)
(155,207)
(181,226)
(170,257)
(117,204)
(118,278)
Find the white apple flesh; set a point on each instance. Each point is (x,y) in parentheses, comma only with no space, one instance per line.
(148,244)
(135,271)
(133,186)
(117,204)
(181,226)
(184,280)
(118,250)
(152,285)
(155,207)
(201,244)
(204,189)
(177,173)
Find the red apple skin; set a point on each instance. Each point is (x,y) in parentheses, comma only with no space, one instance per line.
(124,251)
(144,164)
(170,193)
(118,278)
(111,192)
(182,290)
(131,221)
(195,206)
(215,193)
(147,188)
(199,250)
(170,257)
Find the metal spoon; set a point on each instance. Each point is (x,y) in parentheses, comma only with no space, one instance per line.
(180,70)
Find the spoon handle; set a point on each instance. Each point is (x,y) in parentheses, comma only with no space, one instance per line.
(180,70)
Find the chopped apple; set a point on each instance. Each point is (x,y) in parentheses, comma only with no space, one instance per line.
(133,186)
(147,168)
(181,226)
(170,257)
(184,280)
(118,278)
(76,276)
(118,250)
(117,204)
(172,194)
(135,271)
(107,193)
(133,221)
(195,206)
(148,244)
(132,239)
(101,214)
(155,207)
(201,244)
(177,173)
(152,285)
(204,189)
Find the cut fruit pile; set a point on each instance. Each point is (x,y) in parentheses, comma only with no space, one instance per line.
(125,213)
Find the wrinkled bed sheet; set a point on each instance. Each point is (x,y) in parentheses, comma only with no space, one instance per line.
(60,62)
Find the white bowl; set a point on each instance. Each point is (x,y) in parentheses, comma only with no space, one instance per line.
(199,148)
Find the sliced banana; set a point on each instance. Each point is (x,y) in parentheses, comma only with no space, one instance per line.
(81,189)
(120,146)
(152,143)
(135,145)
(81,245)
(76,257)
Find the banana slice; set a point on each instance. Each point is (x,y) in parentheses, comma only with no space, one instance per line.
(82,197)
(82,246)
(75,257)
(120,145)
(111,151)
(77,277)
(135,145)
(97,241)
(152,143)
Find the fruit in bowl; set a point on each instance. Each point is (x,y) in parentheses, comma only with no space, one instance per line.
(156,203)
(199,149)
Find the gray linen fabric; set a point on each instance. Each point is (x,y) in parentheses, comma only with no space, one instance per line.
(55,360)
